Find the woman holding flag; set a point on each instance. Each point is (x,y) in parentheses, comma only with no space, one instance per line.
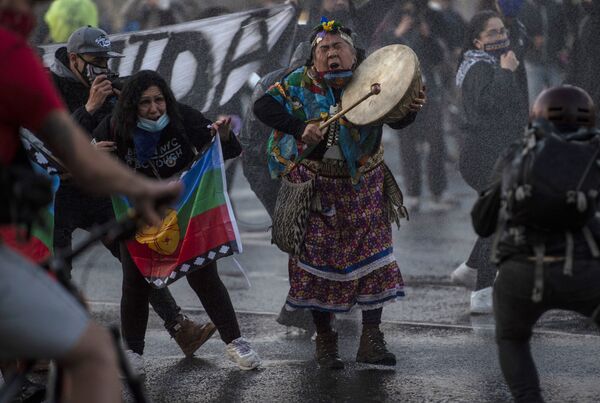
(159,137)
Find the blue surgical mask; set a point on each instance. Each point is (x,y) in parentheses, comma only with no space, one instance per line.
(153,126)
(336,78)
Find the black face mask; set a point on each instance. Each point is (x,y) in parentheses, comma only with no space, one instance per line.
(90,71)
(497,48)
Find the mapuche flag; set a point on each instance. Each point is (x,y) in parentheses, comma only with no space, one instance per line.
(199,229)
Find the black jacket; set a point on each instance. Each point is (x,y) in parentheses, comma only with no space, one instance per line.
(75,94)
(174,151)
(496,115)
(516,242)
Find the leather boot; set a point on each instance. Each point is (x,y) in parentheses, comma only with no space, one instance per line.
(327,351)
(372,349)
(190,335)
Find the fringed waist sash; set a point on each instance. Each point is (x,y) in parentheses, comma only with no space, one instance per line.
(334,168)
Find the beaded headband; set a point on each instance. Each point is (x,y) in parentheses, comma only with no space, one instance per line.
(330,27)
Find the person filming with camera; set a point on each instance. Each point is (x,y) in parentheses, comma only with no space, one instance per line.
(80,73)
(38,318)
(83,77)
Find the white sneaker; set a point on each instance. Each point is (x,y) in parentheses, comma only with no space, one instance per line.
(136,362)
(481,302)
(465,276)
(240,352)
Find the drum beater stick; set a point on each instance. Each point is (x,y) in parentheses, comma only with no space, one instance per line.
(375,89)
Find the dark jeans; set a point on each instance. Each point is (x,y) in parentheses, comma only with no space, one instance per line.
(74,209)
(205,282)
(427,127)
(516,314)
(480,259)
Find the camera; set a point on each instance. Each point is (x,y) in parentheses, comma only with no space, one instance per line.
(115,80)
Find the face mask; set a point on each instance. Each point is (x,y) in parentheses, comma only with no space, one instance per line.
(497,48)
(91,71)
(336,78)
(153,126)
(18,22)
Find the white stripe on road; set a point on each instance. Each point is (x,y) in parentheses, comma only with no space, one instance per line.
(400,323)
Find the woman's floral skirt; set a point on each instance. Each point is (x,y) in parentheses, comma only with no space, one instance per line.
(347,260)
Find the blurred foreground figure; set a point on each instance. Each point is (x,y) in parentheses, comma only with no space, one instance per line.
(546,237)
(38,318)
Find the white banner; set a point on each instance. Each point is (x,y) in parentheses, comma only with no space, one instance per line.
(207,61)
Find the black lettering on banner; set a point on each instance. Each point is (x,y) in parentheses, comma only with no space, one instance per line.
(261,53)
(195,43)
(255,25)
(119,47)
(144,40)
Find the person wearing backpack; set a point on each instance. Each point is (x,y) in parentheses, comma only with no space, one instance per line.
(542,209)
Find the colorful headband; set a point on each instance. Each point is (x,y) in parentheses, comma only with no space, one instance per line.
(333,27)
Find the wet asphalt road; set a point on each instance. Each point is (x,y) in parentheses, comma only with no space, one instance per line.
(444,354)
(435,364)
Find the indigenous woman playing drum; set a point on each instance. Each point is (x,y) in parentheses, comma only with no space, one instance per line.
(345,259)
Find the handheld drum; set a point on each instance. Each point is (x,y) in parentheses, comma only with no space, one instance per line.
(397,69)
